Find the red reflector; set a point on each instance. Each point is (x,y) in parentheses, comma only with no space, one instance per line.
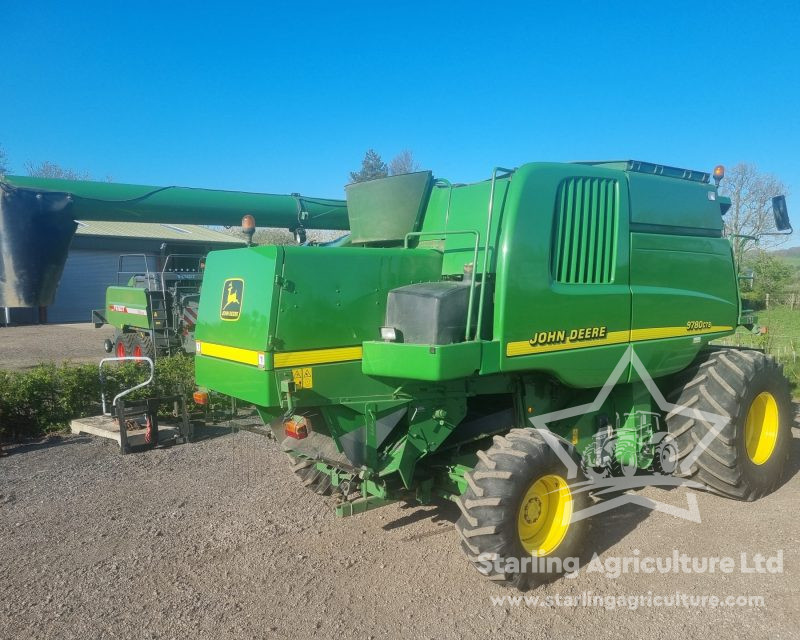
(296,427)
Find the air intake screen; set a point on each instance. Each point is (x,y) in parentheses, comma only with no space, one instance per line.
(585,240)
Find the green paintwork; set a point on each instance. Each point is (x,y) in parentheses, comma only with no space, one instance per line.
(582,261)
(361,505)
(524,274)
(142,203)
(400,201)
(257,267)
(336,296)
(585,240)
(421,361)
(130,298)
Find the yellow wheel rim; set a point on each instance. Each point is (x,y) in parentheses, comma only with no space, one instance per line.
(761,428)
(544,515)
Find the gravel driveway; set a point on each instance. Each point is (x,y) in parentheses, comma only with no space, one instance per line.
(215,539)
(26,346)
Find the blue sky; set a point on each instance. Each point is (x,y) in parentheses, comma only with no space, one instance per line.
(287,97)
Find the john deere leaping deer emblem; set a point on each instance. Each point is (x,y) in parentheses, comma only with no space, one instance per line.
(232,294)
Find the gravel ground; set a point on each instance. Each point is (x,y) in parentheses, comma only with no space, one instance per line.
(215,540)
(26,346)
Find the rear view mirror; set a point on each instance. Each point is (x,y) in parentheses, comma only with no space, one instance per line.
(781,214)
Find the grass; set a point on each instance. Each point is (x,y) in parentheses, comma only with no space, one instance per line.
(781,340)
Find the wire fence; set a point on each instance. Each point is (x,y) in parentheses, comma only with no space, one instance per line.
(790,301)
(777,331)
(784,347)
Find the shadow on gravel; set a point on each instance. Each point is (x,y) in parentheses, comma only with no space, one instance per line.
(43,443)
(442,512)
(209,432)
(605,532)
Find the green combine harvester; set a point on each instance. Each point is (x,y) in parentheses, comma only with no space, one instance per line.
(410,362)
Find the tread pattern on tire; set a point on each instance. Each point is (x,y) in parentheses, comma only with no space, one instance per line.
(487,504)
(145,342)
(722,381)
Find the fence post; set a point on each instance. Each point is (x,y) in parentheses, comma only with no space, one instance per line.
(767,302)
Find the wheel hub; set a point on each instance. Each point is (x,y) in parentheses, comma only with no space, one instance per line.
(761,427)
(544,515)
(532,510)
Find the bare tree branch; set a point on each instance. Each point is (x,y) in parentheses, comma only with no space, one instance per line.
(49,169)
(750,214)
(3,161)
(402,163)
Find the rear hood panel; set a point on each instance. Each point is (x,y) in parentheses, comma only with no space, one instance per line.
(238,297)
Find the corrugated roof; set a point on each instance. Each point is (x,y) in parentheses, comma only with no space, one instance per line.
(156,231)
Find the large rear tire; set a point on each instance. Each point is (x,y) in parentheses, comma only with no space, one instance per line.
(747,459)
(519,511)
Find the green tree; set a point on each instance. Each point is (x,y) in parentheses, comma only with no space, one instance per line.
(372,167)
(771,274)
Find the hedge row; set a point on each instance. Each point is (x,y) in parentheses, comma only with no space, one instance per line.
(47,397)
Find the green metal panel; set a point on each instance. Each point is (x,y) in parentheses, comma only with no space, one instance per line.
(336,296)
(385,210)
(575,332)
(237,380)
(127,307)
(587,212)
(421,361)
(660,201)
(463,208)
(686,288)
(256,267)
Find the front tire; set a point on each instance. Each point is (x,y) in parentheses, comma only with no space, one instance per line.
(747,459)
(518,509)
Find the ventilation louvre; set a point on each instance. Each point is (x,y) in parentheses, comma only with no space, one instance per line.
(585,240)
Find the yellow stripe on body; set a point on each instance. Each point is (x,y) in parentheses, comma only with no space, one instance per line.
(234,354)
(655,333)
(281,360)
(613,337)
(316,356)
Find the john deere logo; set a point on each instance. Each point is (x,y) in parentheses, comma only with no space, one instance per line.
(232,293)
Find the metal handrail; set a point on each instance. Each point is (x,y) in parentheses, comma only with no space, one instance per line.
(444,234)
(124,393)
(495,172)
(442,183)
(145,256)
(171,256)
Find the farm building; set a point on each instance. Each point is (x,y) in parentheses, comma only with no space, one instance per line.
(94,260)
